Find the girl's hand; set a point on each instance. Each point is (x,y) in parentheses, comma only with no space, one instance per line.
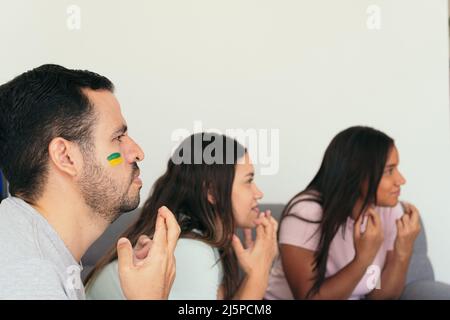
(369,242)
(408,228)
(258,255)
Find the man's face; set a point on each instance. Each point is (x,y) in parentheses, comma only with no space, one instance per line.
(110,182)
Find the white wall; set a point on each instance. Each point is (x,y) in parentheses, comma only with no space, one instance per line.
(308,68)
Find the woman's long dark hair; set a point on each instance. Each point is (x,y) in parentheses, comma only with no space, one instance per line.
(352,168)
(203,164)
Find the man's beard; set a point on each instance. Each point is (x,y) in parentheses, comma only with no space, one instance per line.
(107,198)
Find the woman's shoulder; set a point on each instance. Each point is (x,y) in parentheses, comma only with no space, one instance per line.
(195,247)
(306,207)
(194,254)
(390,213)
(106,284)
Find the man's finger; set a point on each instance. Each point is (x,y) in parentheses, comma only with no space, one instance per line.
(124,255)
(143,240)
(142,252)
(159,245)
(173,228)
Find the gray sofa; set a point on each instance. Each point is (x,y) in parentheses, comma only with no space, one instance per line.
(421,283)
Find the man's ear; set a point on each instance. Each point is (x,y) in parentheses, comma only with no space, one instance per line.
(65,155)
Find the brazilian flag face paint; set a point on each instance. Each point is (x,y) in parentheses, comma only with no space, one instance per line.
(115,159)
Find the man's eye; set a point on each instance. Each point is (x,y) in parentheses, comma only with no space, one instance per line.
(119,138)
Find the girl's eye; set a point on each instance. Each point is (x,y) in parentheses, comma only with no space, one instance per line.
(390,171)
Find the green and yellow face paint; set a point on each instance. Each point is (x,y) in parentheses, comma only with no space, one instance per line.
(115,159)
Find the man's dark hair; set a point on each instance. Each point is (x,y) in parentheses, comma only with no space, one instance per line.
(36,107)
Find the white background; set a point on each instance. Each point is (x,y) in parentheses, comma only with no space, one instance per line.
(309,68)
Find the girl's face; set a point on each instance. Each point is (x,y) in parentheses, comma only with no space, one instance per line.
(388,190)
(245,194)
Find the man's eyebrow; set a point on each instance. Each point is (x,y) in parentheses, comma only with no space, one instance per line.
(250,174)
(120,131)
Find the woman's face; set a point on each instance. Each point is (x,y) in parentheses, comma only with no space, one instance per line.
(245,194)
(389,188)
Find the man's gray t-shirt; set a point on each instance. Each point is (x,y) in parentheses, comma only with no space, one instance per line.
(34,261)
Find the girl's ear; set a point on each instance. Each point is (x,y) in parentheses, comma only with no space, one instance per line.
(211,198)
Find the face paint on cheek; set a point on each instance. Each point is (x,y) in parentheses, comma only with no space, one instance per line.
(115,159)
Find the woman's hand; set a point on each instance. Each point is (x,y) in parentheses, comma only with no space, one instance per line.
(408,228)
(256,259)
(368,243)
(258,254)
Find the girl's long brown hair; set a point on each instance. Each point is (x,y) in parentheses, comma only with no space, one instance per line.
(203,164)
(356,157)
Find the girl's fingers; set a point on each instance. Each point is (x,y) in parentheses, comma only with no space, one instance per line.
(268,226)
(400,227)
(248,237)
(375,217)
(237,245)
(259,233)
(357,228)
(415,216)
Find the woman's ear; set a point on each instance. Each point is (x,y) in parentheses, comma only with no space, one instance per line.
(211,198)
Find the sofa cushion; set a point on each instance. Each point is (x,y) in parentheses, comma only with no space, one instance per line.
(426,290)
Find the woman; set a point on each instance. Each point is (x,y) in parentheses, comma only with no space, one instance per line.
(209,187)
(345,236)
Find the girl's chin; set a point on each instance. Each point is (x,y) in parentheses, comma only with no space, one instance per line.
(248,225)
(389,203)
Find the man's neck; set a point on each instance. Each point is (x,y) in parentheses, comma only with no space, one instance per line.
(73,220)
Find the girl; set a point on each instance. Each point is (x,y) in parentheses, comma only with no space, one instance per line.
(345,236)
(209,186)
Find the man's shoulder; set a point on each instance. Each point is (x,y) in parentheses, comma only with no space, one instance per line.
(17,236)
(31,278)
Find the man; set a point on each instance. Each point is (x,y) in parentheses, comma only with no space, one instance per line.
(72,170)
